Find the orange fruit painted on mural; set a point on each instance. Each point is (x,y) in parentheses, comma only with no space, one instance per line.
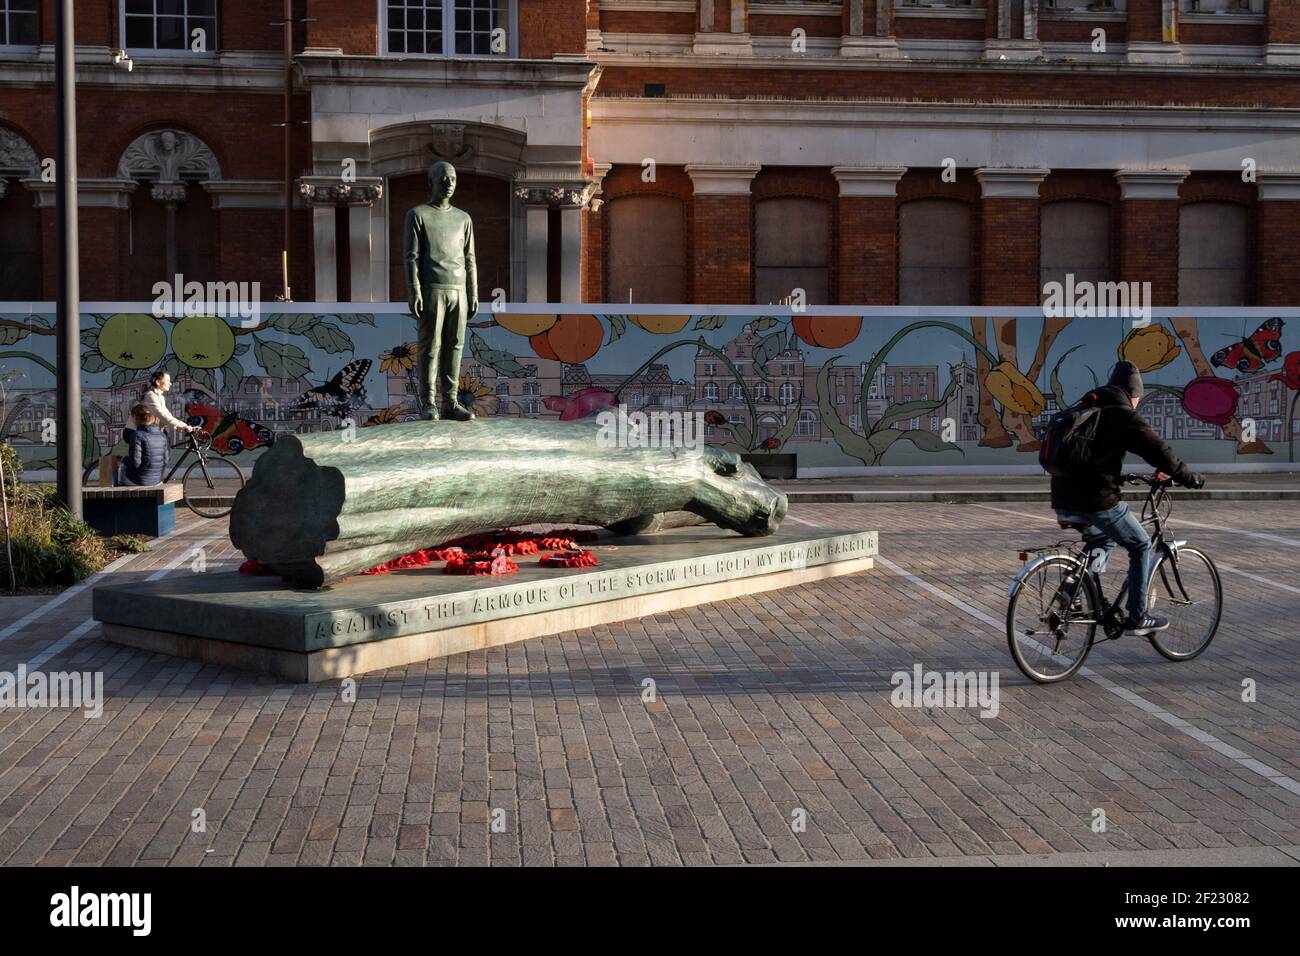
(529,325)
(660,324)
(572,339)
(828,331)
(542,346)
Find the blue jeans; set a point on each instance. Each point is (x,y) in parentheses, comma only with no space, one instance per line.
(1104,530)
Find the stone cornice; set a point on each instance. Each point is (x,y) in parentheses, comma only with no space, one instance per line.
(91,192)
(559,72)
(1275,185)
(719,179)
(868,181)
(1150,183)
(997,182)
(334,191)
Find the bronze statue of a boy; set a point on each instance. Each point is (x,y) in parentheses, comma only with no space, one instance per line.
(442,291)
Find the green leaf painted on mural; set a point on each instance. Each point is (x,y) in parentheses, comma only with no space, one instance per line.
(41,321)
(172,365)
(788,426)
(93,361)
(707,323)
(204,377)
(617,326)
(927,441)
(1057,389)
(850,442)
(355,318)
(739,431)
(328,338)
(241,348)
(9,334)
(123,376)
(100,318)
(293,323)
(90,338)
(503,362)
(90,450)
(914,409)
(232,373)
(763,323)
(768,348)
(280,359)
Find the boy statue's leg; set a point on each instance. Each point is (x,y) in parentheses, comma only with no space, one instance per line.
(429,324)
(452,345)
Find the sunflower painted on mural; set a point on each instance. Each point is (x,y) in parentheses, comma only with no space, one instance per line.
(398,359)
(476,396)
(1150,347)
(383,417)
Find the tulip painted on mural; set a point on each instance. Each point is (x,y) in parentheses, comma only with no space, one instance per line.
(1210,400)
(1008,385)
(714,418)
(1150,347)
(827,331)
(581,404)
(1290,374)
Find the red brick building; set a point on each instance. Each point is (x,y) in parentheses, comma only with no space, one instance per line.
(939,152)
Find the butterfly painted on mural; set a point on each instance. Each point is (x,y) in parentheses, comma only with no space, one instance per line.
(1253,353)
(340,393)
(231,432)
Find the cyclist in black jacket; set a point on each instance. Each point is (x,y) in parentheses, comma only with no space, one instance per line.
(1092,498)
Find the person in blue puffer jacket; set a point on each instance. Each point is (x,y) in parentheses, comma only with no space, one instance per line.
(147,450)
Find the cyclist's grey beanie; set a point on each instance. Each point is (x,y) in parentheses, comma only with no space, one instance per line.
(1125,375)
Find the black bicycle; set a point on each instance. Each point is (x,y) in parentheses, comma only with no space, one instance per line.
(1057,605)
(210,483)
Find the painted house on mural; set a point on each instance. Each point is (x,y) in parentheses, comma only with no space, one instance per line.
(693,151)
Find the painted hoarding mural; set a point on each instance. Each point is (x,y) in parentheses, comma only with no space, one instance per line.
(840,391)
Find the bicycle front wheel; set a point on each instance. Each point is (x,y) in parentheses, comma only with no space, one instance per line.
(210,485)
(1049,635)
(1189,593)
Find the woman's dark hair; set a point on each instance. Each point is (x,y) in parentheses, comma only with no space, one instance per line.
(156,377)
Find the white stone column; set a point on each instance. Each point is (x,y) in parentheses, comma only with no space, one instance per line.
(326,253)
(571,254)
(362,279)
(535,239)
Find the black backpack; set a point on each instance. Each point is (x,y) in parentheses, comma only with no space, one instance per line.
(1067,447)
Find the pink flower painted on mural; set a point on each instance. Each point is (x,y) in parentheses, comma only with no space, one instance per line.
(1290,374)
(1210,400)
(581,404)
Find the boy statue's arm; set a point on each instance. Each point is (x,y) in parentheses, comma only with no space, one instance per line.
(471,268)
(411,255)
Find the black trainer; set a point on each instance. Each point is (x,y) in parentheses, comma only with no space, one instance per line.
(1147,624)
(457,412)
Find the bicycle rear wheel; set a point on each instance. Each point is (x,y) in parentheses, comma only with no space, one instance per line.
(1049,640)
(210,485)
(1192,600)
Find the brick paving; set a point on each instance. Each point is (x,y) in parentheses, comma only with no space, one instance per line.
(767,709)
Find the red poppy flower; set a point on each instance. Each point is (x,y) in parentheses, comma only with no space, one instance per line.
(1290,374)
(1211,400)
(771,444)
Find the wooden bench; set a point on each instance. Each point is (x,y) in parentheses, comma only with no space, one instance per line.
(132,509)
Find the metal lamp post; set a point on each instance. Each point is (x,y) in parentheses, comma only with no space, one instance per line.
(68,361)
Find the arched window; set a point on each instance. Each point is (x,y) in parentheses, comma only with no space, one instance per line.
(1212,254)
(711,391)
(737,394)
(1074,239)
(647,249)
(20,223)
(792,249)
(172,222)
(934,251)
(807,424)
(787,393)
